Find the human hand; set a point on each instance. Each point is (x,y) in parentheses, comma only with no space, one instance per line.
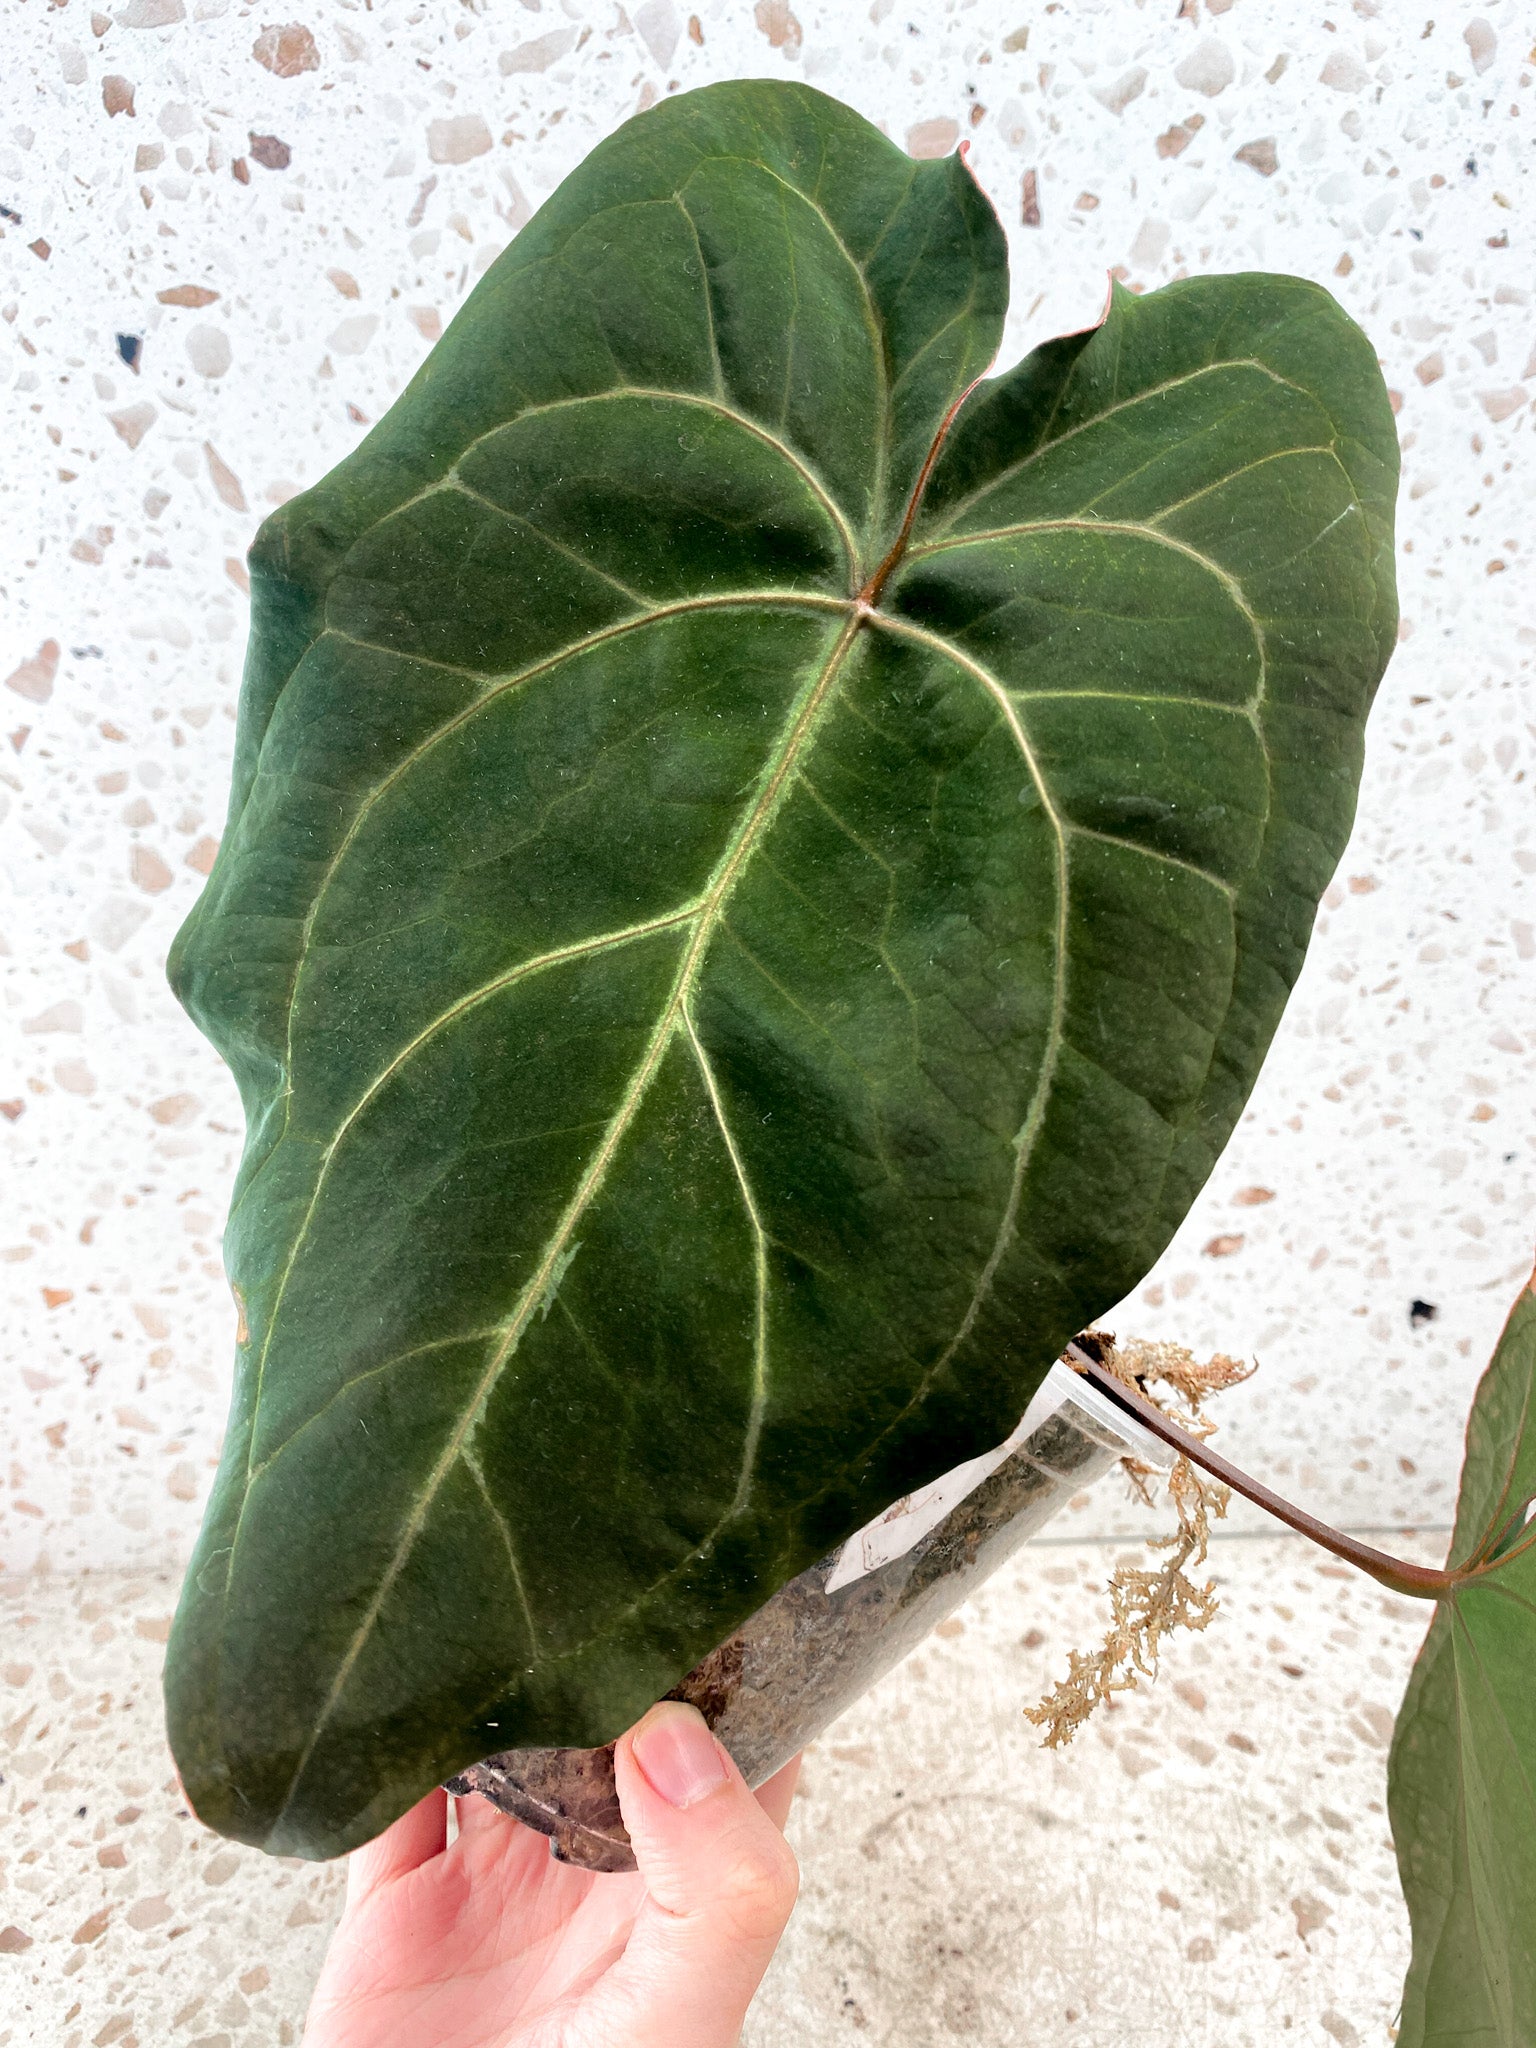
(493,1944)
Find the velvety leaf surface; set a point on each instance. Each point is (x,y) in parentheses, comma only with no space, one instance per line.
(736,937)
(1463,1769)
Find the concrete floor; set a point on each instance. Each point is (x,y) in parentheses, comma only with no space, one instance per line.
(1207,1867)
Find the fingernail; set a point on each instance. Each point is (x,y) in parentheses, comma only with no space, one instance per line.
(678,1755)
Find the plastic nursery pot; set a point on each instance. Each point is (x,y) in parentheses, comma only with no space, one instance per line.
(826,1636)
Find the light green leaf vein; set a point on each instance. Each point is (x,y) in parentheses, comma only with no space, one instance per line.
(754,1427)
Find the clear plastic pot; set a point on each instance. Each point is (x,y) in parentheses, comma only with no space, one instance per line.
(826,1636)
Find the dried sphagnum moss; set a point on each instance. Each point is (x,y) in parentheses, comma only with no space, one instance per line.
(1148,1605)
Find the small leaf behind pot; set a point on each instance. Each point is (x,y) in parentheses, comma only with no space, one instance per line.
(1463,1764)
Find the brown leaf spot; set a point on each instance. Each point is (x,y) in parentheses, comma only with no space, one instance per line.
(117,96)
(286,51)
(33,679)
(270,152)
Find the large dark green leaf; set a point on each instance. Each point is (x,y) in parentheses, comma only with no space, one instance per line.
(733,956)
(1463,1770)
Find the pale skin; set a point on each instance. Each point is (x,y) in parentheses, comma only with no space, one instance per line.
(487,1942)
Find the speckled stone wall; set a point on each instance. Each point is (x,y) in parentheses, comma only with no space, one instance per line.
(226,243)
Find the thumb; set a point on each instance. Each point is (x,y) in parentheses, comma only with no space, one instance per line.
(720,1883)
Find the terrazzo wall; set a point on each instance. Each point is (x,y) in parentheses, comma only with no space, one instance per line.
(224,246)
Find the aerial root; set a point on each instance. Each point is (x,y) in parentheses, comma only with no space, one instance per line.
(1147,1606)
